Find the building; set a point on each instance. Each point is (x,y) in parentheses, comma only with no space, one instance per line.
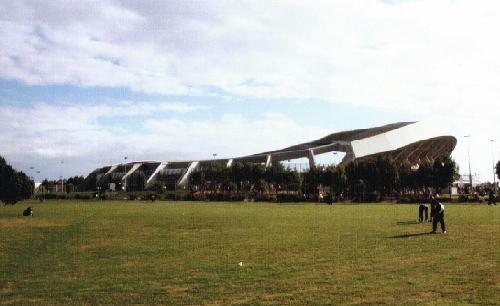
(412,142)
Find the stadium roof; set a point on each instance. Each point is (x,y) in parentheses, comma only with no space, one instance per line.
(412,142)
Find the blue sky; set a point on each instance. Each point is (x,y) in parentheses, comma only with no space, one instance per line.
(85,85)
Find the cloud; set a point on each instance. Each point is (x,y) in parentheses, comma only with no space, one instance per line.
(231,135)
(88,135)
(45,133)
(430,59)
(63,130)
(427,53)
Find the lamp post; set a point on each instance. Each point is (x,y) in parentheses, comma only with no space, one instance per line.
(32,177)
(468,154)
(61,176)
(125,181)
(494,172)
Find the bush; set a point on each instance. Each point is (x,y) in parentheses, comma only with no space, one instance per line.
(288,198)
(374,196)
(78,196)
(265,197)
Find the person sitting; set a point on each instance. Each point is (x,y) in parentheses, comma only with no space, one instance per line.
(423,210)
(28,212)
(437,212)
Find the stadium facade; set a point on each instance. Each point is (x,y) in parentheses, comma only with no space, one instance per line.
(412,142)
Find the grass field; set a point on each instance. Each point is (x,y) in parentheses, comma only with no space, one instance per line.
(94,253)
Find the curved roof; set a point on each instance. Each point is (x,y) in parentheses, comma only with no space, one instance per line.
(402,141)
(346,136)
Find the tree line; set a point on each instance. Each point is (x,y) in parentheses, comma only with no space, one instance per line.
(363,180)
(15,186)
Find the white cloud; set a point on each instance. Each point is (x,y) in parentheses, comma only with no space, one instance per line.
(435,59)
(431,53)
(100,134)
(231,135)
(47,132)
(65,130)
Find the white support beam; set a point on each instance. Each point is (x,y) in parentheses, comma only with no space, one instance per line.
(269,160)
(349,157)
(310,156)
(184,179)
(229,163)
(111,170)
(132,170)
(152,178)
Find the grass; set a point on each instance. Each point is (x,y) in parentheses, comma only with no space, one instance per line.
(101,253)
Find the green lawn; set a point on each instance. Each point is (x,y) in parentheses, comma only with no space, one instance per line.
(92,253)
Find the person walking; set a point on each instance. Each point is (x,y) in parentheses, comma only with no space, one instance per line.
(437,212)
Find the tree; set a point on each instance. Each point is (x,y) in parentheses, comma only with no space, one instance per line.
(136,181)
(424,176)
(335,177)
(386,176)
(75,183)
(497,168)
(312,179)
(406,181)
(14,186)
(445,171)
(359,173)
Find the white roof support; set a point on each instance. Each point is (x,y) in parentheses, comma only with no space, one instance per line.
(111,170)
(152,178)
(132,170)
(310,156)
(269,160)
(184,179)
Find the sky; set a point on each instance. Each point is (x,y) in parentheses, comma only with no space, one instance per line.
(86,83)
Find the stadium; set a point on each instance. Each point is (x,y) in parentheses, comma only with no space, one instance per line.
(413,142)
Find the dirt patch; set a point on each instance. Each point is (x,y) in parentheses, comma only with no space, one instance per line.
(9,288)
(82,247)
(176,291)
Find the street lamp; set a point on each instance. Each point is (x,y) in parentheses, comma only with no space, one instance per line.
(61,176)
(494,172)
(125,181)
(468,154)
(32,173)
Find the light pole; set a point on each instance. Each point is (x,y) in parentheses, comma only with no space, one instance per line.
(125,181)
(61,176)
(468,154)
(494,172)
(32,176)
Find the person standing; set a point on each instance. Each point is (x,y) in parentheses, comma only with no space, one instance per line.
(437,212)
(492,197)
(423,211)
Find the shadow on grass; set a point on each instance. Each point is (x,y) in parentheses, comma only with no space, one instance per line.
(407,222)
(410,235)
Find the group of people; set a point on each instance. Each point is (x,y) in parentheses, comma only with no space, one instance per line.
(437,214)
